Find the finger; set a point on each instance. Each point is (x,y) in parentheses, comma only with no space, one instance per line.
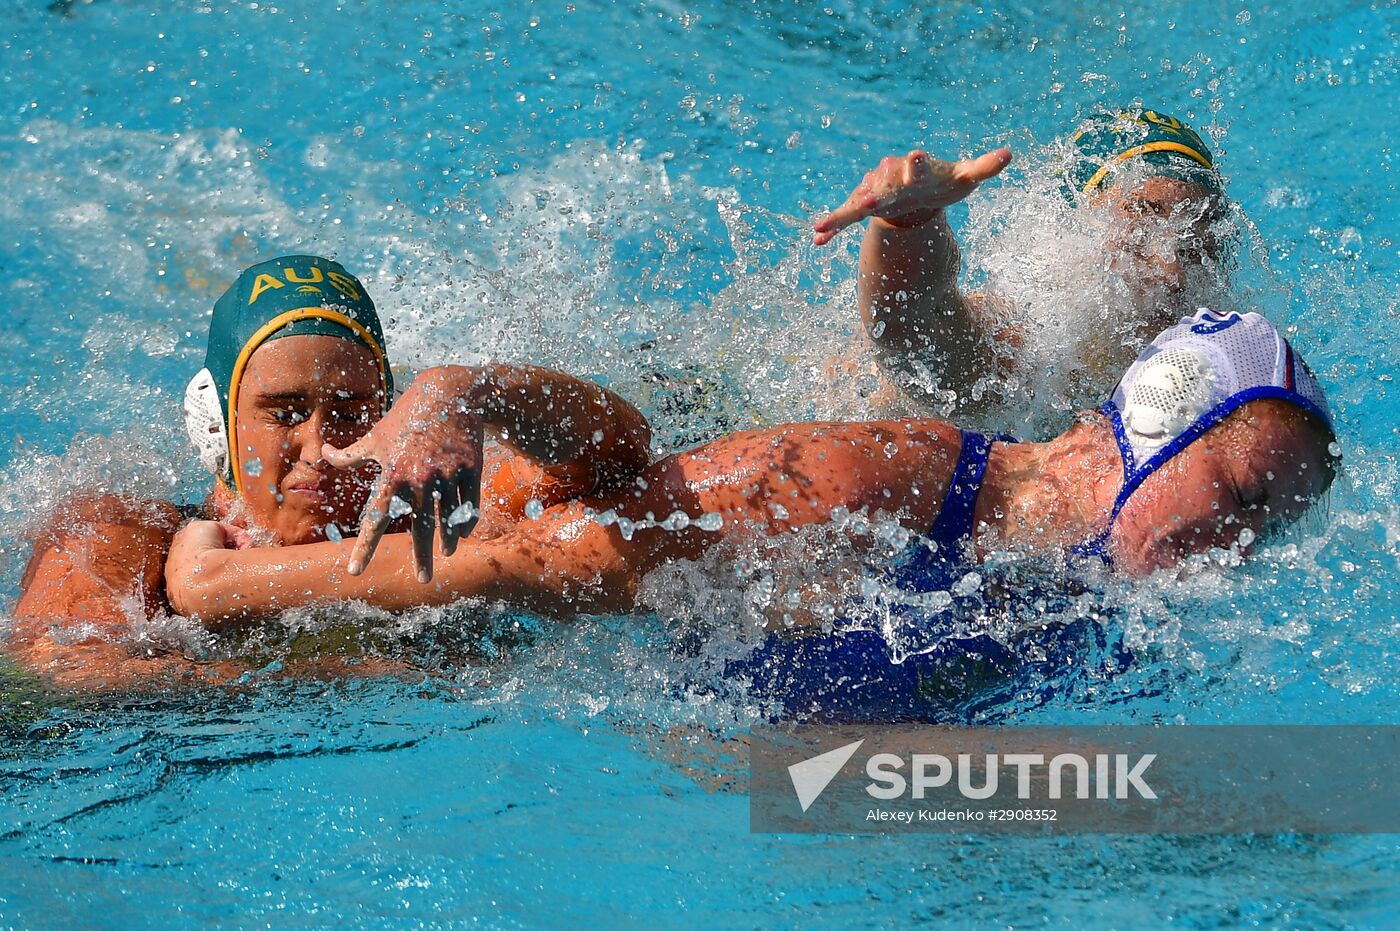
(373,522)
(984,167)
(856,208)
(236,537)
(918,165)
(831,223)
(469,493)
(349,457)
(422,530)
(447,503)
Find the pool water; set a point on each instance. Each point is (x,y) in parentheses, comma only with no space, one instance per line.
(624,191)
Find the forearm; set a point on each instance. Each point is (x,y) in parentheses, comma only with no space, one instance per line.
(554,418)
(228,586)
(910,301)
(234,586)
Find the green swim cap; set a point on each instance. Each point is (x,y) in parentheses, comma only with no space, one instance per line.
(295,295)
(1106,140)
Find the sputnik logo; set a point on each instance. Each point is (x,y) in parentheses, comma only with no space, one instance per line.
(811,777)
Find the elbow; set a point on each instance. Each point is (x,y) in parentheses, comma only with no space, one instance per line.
(624,452)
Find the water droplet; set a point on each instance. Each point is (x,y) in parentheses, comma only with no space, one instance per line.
(626,528)
(778,511)
(461,514)
(606,519)
(534,509)
(253,467)
(1334,448)
(679,520)
(398,507)
(711,521)
(968,585)
(333,533)
(1246,537)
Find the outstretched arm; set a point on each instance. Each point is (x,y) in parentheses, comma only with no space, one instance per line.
(97,570)
(910,263)
(567,562)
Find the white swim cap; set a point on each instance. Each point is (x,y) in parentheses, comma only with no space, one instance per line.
(1195,373)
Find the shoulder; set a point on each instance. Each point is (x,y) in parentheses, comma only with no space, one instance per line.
(98,566)
(85,512)
(96,549)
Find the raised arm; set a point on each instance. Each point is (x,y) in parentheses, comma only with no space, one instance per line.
(558,420)
(909,265)
(429,446)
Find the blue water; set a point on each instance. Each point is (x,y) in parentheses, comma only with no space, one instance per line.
(622,190)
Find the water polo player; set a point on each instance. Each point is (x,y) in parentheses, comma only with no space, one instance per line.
(1215,433)
(296,363)
(1152,171)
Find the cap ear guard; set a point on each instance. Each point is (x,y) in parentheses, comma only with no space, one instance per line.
(204,421)
(1171,391)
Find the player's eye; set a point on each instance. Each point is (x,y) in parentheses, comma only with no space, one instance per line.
(350,415)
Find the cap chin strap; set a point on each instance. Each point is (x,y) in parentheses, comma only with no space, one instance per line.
(204,421)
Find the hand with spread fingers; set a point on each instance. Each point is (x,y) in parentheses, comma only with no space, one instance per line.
(910,191)
(429,450)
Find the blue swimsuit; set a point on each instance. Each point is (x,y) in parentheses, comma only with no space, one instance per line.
(1191,377)
(851,675)
(952,530)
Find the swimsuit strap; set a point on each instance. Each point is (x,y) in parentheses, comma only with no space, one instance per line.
(953,527)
